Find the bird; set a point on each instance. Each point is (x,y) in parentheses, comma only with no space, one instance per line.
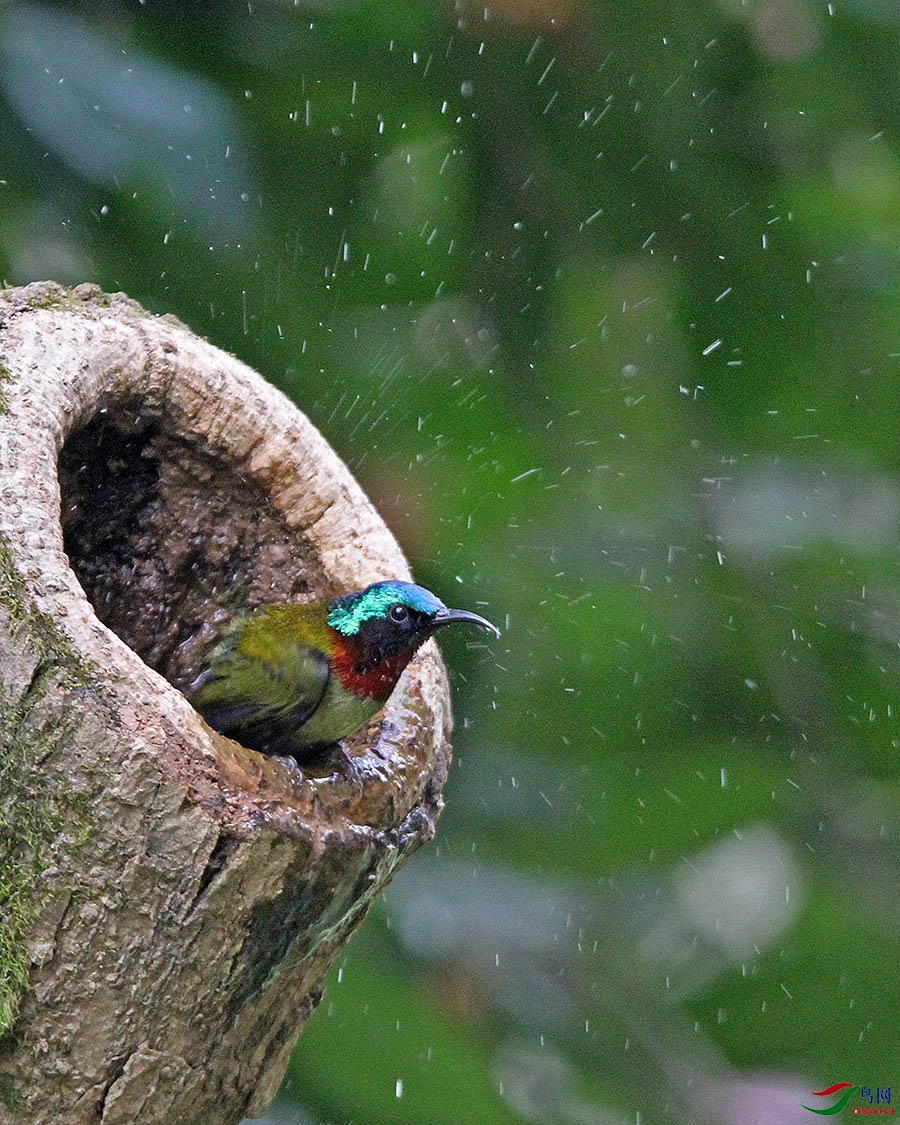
(290,679)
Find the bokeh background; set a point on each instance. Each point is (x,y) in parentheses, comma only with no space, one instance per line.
(599,300)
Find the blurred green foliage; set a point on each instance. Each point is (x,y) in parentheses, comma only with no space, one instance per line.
(600,302)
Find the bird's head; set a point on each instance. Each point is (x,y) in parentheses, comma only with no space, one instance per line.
(390,620)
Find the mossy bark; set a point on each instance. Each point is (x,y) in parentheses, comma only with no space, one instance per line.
(169,901)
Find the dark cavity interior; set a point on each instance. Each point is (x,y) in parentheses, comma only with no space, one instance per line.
(168,542)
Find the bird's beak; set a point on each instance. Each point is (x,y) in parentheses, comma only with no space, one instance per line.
(449,616)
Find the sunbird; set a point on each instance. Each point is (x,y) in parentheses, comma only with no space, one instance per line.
(290,679)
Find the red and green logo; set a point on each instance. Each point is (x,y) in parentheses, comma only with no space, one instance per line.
(873,1100)
(848,1089)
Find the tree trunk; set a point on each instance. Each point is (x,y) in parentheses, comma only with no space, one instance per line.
(169,901)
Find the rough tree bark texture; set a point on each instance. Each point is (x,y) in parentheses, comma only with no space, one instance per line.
(169,902)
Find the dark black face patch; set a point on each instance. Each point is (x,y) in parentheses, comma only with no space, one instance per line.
(385,635)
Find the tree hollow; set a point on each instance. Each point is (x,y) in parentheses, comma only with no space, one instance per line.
(172,899)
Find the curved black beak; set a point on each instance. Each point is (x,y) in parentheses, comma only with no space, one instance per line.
(446,616)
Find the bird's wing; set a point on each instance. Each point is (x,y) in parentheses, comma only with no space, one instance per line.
(261,697)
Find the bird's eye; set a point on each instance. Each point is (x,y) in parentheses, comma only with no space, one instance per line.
(399,612)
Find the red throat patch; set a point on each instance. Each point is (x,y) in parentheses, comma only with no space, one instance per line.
(375,682)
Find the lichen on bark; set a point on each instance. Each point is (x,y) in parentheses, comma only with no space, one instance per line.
(34,656)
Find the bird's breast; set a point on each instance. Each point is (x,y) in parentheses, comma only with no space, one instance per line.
(365,675)
(339,713)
